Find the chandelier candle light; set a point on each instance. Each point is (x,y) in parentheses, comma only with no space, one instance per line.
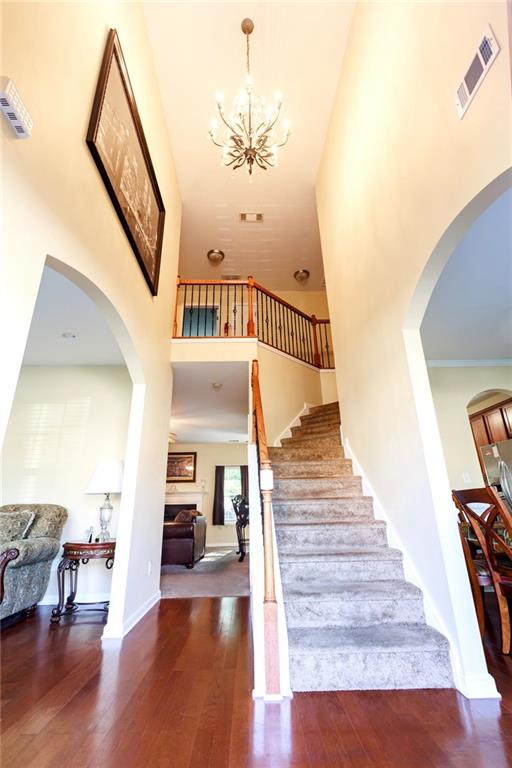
(247,133)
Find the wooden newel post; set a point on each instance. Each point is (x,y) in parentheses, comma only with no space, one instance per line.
(250,306)
(175,323)
(316,353)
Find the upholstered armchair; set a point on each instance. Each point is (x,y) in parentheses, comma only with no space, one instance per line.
(33,531)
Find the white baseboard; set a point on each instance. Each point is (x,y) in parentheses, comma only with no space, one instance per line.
(117,632)
(270,697)
(295,422)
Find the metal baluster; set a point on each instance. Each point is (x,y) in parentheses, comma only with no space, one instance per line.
(243,329)
(206,309)
(214,313)
(280,325)
(184,311)
(322,344)
(267,336)
(308,337)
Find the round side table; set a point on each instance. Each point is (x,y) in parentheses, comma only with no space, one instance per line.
(74,553)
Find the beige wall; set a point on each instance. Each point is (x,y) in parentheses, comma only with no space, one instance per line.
(55,204)
(310,302)
(286,386)
(210,455)
(64,419)
(397,168)
(452,389)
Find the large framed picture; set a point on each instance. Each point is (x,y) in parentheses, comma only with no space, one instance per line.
(116,140)
(181,467)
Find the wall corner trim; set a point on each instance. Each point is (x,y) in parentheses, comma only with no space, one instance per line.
(120,630)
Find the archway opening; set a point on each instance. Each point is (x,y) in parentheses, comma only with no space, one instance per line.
(72,417)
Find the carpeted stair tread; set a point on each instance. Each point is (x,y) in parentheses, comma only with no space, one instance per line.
(356,590)
(397,638)
(347,553)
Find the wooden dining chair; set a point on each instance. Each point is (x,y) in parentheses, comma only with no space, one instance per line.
(492,529)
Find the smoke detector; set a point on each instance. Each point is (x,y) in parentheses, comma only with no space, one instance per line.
(15,111)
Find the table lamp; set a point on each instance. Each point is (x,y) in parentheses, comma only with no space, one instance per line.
(107,478)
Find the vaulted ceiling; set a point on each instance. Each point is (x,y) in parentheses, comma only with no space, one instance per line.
(296,48)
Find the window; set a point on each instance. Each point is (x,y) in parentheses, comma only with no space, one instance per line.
(232,487)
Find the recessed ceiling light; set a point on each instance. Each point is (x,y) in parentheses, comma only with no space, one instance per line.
(69,335)
(215,256)
(216,386)
(301,275)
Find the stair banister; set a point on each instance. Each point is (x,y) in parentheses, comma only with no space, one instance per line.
(270,607)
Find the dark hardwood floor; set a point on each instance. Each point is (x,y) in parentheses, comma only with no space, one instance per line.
(178,695)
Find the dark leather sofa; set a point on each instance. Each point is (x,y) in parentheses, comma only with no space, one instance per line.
(184,543)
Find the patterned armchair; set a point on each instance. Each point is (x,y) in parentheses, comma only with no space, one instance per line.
(32,531)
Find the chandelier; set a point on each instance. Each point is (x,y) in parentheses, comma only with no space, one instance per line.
(247,135)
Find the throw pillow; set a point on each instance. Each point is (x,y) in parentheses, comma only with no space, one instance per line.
(15,525)
(186,515)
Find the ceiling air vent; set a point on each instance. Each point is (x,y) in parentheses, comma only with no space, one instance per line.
(230,277)
(15,112)
(251,218)
(486,52)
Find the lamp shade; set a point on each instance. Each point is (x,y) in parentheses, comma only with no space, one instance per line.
(107,477)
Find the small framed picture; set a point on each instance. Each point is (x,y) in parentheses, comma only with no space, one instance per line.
(181,467)
(118,145)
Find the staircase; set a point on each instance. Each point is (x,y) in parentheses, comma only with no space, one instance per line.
(354,623)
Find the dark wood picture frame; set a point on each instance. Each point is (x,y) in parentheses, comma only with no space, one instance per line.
(117,143)
(177,471)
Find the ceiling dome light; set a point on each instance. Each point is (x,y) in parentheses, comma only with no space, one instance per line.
(301,275)
(215,256)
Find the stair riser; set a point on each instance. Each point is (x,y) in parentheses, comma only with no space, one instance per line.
(334,508)
(352,613)
(324,409)
(367,671)
(281,518)
(308,452)
(320,418)
(339,571)
(312,469)
(310,488)
(322,441)
(317,431)
(298,537)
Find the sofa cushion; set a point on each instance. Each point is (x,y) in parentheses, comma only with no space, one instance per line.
(15,525)
(34,551)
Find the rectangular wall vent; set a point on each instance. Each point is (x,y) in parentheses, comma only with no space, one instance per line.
(251,218)
(15,112)
(486,53)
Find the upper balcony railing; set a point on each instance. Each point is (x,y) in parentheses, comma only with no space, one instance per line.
(243,308)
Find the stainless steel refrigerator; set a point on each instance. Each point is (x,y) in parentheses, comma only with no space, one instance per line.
(497,459)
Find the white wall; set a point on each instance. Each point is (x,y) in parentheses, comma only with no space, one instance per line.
(310,302)
(210,455)
(55,205)
(452,389)
(64,419)
(397,168)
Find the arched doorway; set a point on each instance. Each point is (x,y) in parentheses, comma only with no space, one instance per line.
(79,399)
(466,642)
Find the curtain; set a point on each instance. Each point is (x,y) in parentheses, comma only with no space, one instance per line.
(218,497)
(244,474)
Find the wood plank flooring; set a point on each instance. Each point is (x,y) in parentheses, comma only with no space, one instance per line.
(178,694)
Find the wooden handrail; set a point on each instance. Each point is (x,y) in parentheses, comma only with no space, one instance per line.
(284,303)
(212,282)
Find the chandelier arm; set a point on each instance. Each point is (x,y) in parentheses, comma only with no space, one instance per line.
(215,142)
(225,121)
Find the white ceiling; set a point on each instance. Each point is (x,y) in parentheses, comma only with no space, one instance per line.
(469,316)
(296,48)
(62,307)
(201,414)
